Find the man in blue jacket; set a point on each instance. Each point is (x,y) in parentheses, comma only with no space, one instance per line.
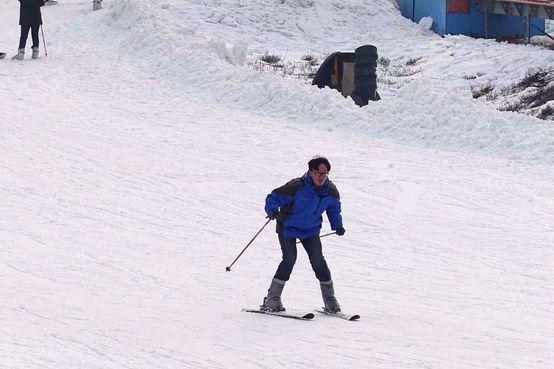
(298,207)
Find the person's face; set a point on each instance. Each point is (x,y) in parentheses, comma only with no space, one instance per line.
(319,176)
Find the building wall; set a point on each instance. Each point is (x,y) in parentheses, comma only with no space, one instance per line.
(512,26)
(473,24)
(462,23)
(434,9)
(470,23)
(406,8)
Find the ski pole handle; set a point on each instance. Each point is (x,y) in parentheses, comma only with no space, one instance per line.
(228,269)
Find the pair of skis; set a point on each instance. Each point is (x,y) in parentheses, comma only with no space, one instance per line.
(303,315)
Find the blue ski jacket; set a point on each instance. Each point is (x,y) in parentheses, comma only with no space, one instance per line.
(300,205)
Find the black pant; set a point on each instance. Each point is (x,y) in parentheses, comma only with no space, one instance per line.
(312,246)
(25,33)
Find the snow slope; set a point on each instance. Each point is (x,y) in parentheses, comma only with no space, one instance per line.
(178,37)
(136,156)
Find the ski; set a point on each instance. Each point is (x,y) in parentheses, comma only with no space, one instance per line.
(285,314)
(340,314)
(2,55)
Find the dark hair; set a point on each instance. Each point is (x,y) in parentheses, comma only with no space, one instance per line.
(317,161)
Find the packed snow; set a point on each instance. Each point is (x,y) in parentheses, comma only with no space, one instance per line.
(136,157)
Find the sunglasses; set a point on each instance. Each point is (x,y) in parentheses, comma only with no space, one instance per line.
(320,174)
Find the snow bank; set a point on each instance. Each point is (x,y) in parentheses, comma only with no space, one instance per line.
(201,48)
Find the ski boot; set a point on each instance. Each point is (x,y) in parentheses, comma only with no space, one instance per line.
(329,299)
(272,302)
(20,54)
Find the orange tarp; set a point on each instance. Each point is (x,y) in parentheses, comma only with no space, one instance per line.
(457,6)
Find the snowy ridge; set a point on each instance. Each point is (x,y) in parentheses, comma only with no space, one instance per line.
(201,48)
(466,126)
(205,65)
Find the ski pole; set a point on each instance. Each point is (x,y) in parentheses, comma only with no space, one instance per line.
(325,235)
(43,41)
(228,269)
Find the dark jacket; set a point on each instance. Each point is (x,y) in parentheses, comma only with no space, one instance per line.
(300,206)
(29,12)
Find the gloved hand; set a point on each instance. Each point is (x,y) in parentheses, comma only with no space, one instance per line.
(340,231)
(272,215)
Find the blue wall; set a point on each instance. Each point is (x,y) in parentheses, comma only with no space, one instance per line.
(507,26)
(465,23)
(473,24)
(406,8)
(470,24)
(434,9)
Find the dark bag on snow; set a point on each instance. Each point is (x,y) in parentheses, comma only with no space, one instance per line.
(353,74)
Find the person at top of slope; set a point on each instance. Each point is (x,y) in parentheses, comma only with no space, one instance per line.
(298,207)
(30,18)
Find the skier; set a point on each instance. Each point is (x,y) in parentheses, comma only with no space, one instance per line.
(298,206)
(30,18)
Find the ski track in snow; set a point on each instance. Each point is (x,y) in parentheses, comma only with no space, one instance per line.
(123,196)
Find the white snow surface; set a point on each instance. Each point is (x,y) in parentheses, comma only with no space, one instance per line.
(136,157)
